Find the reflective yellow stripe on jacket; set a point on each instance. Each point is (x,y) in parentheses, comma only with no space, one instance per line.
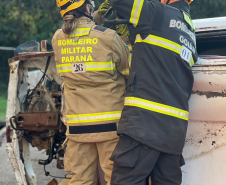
(96,117)
(90,66)
(156,107)
(164,43)
(188,20)
(130,47)
(125,71)
(80,32)
(130,59)
(135,13)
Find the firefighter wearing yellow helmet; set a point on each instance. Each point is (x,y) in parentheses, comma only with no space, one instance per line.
(68,5)
(93,61)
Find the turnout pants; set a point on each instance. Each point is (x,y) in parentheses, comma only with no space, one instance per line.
(135,162)
(81,159)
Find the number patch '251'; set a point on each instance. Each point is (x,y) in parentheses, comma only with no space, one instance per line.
(78,67)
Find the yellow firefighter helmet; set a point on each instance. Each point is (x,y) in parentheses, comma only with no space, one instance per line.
(68,5)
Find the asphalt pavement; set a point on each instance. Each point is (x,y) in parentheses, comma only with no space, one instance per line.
(7,176)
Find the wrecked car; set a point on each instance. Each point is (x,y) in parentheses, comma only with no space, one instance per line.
(35,109)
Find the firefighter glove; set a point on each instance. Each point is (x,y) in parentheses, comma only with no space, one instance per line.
(122,29)
(103,7)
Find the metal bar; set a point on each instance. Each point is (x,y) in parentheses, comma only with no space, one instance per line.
(7,48)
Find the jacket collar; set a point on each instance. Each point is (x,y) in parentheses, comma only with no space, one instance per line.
(181,5)
(83,20)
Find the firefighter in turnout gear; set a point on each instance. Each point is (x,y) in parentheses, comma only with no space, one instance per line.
(93,61)
(154,120)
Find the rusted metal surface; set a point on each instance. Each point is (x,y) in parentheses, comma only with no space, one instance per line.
(211,61)
(207,120)
(210,24)
(205,145)
(53,182)
(43,45)
(8,138)
(26,56)
(38,142)
(59,156)
(13,146)
(208,169)
(210,81)
(37,121)
(16,93)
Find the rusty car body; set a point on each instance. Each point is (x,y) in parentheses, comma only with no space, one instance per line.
(33,116)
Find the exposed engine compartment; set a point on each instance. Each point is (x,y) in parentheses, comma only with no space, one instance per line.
(39,119)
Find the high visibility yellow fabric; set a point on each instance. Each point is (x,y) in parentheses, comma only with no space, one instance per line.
(188,20)
(130,59)
(68,5)
(130,47)
(164,43)
(90,66)
(125,71)
(158,41)
(135,13)
(100,66)
(80,32)
(156,107)
(96,117)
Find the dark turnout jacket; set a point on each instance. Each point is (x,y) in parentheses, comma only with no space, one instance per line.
(160,83)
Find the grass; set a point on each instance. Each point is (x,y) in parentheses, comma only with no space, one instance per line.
(3,104)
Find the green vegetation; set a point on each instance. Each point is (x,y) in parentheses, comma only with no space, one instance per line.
(3,104)
(208,8)
(3,99)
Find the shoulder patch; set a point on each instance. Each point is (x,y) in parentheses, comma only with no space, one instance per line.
(100,28)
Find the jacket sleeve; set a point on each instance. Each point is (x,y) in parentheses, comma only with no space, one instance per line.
(120,55)
(97,18)
(138,12)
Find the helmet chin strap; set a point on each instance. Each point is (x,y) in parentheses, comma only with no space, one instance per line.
(84,14)
(90,11)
